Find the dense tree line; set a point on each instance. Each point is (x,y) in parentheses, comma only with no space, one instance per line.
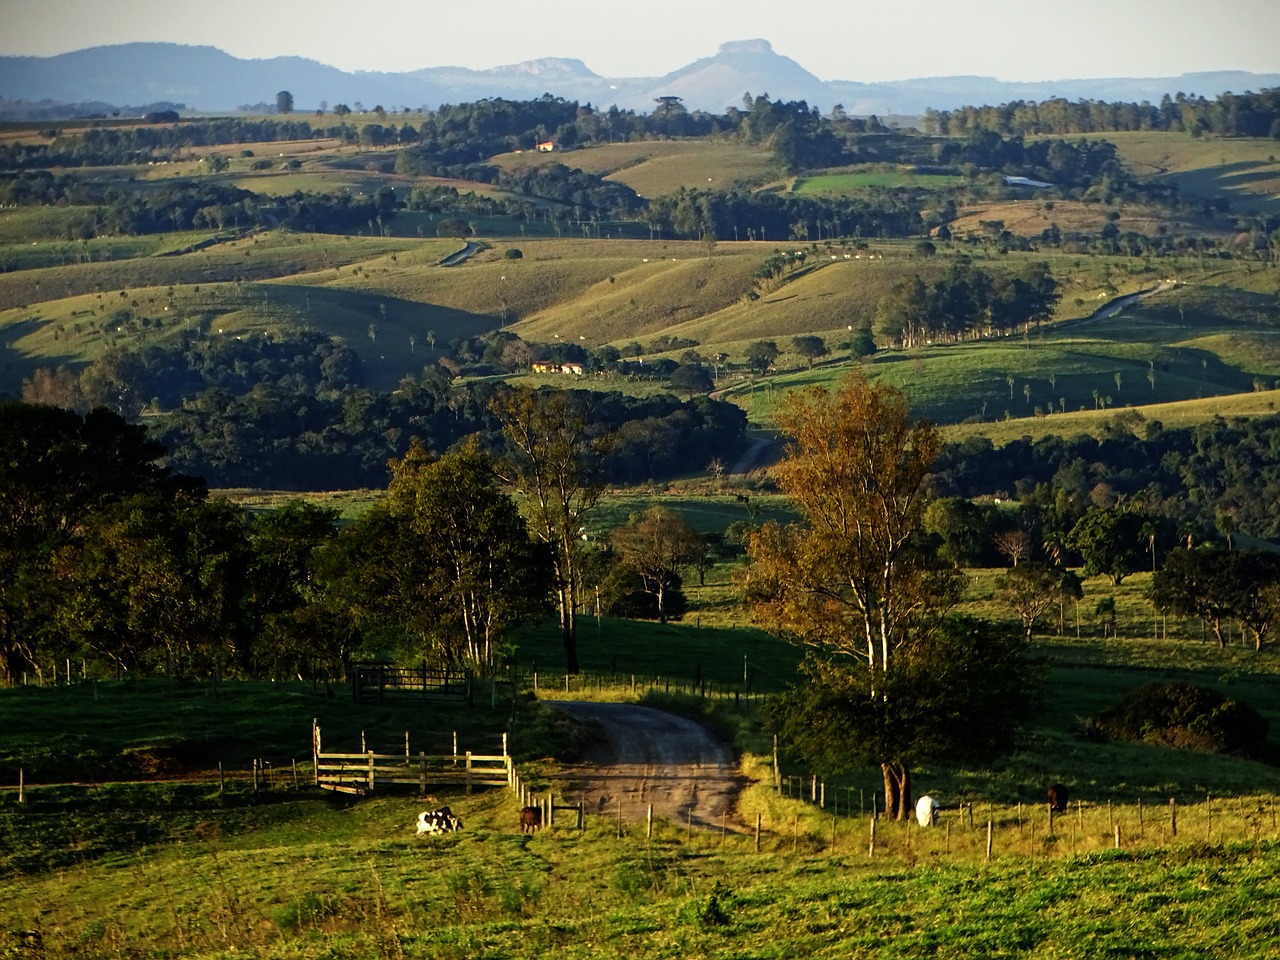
(110,556)
(165,376)
(1220,475)
(749,215)
(106,145)
(966,302)
(287,439)
(1228,115)
(183,205)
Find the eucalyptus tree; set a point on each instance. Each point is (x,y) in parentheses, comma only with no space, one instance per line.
(891,678)
(555,460)
(444,567)
(655,545)
(57,469)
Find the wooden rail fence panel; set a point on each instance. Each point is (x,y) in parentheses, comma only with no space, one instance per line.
(362,772)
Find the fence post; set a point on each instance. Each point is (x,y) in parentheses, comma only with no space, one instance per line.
(989,838)
(871,850)
(1117,832)
(255,774)
(371,774)
(468,771)
(406,748)
(422,773)
(1173,817)
(581,810)
(22,786)
(649,823)
(222,781)
(455,748)
(777,771)
(315,748)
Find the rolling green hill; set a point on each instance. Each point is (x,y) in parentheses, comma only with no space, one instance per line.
(655,167)
(1247,171)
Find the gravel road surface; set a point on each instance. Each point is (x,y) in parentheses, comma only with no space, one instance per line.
(643,756)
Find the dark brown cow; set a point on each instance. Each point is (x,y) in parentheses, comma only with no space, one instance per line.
(1058,797)
(530,819)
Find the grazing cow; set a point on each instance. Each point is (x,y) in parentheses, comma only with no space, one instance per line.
(926,811)
(438,821)
(530,819)
(1058,796)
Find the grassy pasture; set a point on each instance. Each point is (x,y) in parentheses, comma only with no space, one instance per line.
(1245,170)
(837,183)
(1030,218)
(195,872)
(653,168)
(310,878)
(1177,346)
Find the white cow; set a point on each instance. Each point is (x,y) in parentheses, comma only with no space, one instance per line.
(926,811)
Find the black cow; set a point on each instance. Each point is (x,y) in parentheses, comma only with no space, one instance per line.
(1058,797)
(530,819)
(438,821)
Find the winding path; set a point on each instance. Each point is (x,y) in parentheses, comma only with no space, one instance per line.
(643,756)
(460,256)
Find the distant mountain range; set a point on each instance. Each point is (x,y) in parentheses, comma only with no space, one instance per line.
(206,79)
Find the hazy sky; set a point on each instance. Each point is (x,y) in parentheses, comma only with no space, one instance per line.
(849,40)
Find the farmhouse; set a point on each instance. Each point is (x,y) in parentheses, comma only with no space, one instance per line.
(550,366)
(546,146)
(1025,182)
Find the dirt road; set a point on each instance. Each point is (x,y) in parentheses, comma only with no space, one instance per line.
(642,756)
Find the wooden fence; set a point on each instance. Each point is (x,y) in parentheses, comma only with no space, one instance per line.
(379,682)
(548,684)
(361,773)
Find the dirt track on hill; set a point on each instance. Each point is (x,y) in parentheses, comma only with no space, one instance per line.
(643,756)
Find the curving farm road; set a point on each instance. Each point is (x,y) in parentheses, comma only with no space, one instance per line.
(643,756)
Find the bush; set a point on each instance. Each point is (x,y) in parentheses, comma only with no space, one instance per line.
(1189,717)
(513,253)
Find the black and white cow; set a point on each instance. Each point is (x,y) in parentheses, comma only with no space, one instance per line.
(438,821)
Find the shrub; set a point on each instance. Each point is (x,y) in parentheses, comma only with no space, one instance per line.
(1187,716)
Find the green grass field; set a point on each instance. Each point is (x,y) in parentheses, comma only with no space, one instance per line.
(1245,170)
(198,869)
(835,184)
(655,167)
